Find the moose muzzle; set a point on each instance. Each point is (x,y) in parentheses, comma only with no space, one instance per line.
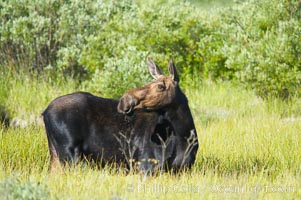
(127,104)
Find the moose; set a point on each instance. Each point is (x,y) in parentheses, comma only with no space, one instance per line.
(149,129)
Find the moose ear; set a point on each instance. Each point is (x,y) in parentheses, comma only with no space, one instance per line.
(173,72)
(154,70)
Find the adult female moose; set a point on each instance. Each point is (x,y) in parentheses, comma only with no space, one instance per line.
(150,127)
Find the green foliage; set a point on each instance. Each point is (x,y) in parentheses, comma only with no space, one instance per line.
(256,43)
(261,47)
(120,74)
(13,189)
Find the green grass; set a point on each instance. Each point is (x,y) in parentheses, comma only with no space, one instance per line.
(249,149)
(25,97)
(240,133)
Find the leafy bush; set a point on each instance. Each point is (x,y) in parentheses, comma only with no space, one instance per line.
(13,188)
(255,42)
(120,74)
(261,44)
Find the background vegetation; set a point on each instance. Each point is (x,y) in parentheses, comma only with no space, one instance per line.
(256,43)
(240,68)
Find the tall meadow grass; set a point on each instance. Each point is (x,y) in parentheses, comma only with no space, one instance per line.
(249,148)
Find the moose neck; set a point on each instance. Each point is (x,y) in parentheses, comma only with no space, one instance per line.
(179,115)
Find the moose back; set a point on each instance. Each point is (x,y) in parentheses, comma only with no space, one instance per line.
(150,128)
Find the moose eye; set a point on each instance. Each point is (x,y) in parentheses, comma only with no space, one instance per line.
(160,87)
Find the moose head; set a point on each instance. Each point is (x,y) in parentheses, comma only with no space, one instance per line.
(155,95)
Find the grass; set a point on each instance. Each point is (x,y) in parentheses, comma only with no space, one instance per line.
(241,133)
(249,149)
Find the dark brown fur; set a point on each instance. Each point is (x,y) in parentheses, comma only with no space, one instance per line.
(153,129)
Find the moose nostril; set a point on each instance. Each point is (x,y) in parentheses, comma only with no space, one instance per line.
(128,109)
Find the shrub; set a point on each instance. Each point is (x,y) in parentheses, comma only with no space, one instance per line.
(13,188)
(120,74)
(256,43)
